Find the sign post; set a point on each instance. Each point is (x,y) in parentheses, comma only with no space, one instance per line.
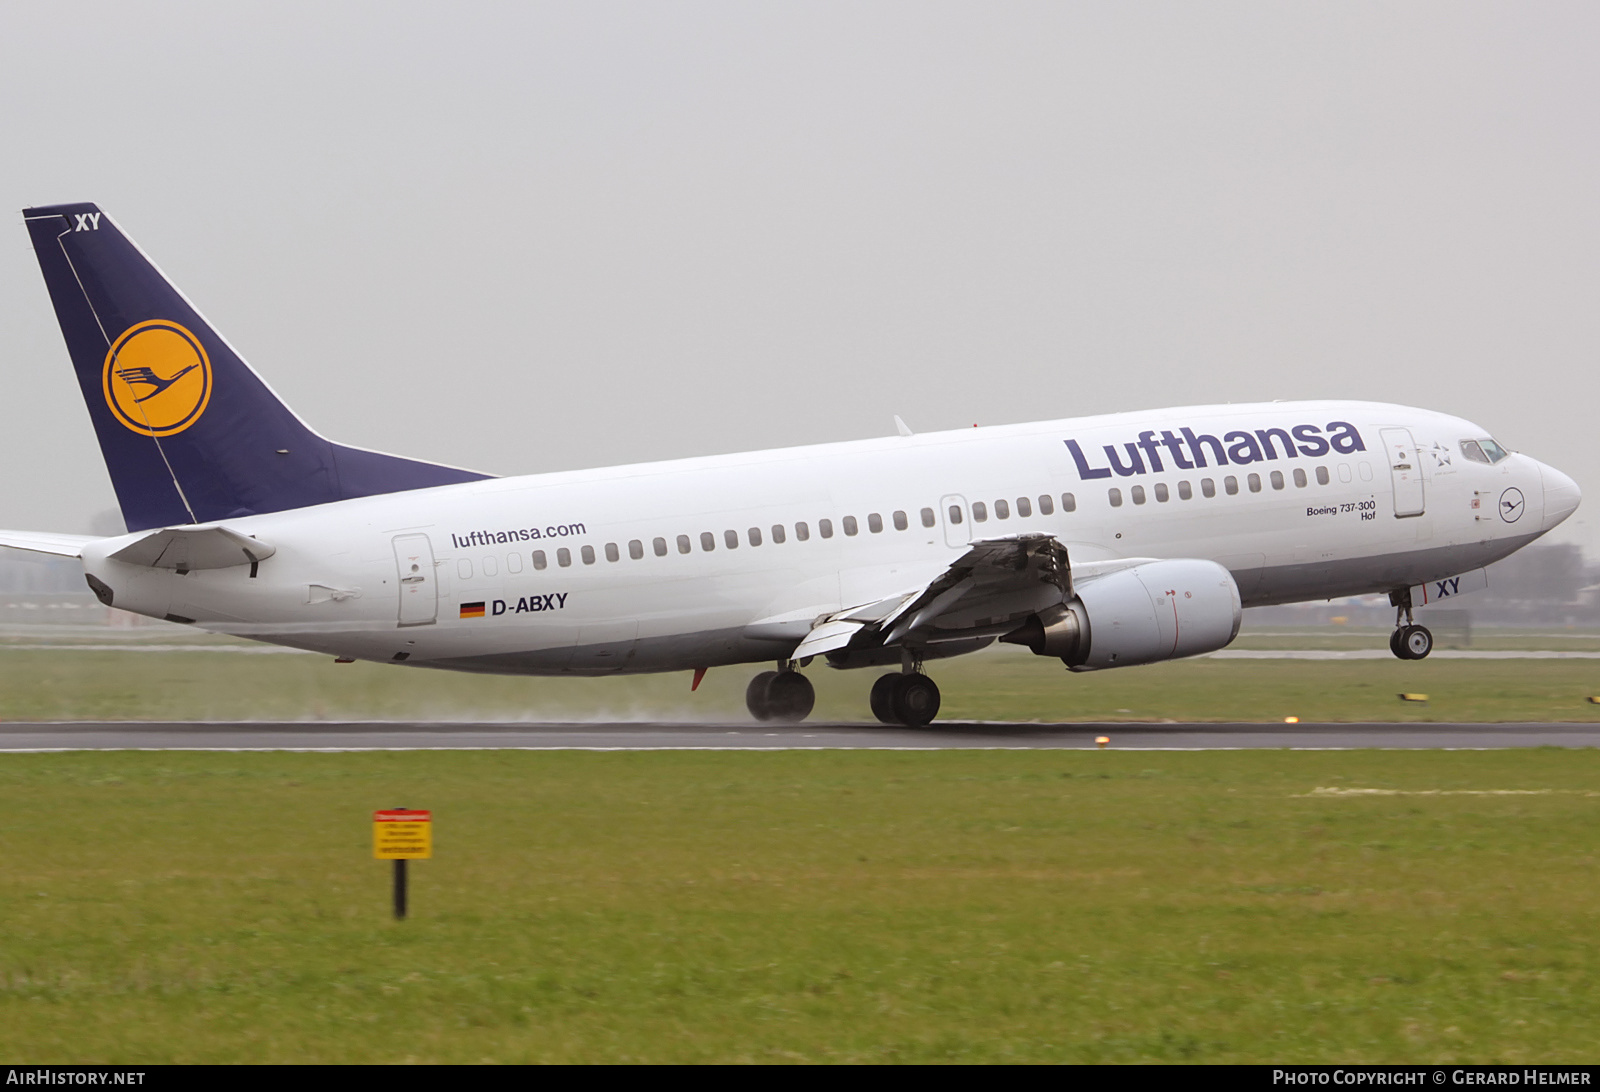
(401,835)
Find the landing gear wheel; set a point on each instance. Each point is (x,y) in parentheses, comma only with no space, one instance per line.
(1394,644)
(790,697)
(755,695)
(1416,642)
(915,700)
(882,699)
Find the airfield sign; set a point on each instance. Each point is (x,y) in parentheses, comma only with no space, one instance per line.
(401,834)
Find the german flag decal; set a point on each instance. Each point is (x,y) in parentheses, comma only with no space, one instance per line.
(472,610)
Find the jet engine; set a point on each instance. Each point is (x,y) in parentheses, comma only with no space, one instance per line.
(1160,610)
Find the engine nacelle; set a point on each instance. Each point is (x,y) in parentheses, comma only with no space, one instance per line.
(1157,611)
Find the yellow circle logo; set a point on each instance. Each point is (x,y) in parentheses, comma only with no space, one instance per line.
(157,378)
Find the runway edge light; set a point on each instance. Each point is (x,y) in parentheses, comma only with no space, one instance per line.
(1101,741)
(1414,697)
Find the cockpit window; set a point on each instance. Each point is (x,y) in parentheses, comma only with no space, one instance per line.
(1493,450)
(1472,452)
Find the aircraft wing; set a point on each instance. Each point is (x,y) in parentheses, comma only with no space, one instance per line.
(198,547)
(988,591)
(43,543)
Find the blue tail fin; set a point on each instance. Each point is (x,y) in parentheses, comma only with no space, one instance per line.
(189,433)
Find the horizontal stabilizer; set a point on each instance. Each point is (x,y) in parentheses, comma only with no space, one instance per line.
(189,548)
(40,543)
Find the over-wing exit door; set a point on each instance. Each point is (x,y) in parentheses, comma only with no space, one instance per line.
(1405,470)
(419,587)
(953,514)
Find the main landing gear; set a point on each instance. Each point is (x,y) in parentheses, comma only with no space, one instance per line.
(1409,641)
(908,698)
(784,695)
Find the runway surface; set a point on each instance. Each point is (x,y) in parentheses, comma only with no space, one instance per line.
(96,736)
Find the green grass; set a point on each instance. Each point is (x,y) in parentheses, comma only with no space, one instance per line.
(1006,683)
(803,906)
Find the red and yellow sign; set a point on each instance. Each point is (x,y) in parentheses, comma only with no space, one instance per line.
(402,835)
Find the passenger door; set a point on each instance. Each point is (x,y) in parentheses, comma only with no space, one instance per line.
(1405,471)
(419,587)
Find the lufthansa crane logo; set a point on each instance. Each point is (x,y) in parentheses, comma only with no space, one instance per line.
(157,378)
(1511,505)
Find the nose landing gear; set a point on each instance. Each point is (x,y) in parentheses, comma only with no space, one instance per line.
(785,696)
(1408,641)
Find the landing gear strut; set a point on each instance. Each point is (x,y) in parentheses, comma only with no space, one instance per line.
(1409,641)
(785,696)
(910,699)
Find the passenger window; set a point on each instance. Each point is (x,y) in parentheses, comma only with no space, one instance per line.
(564,557)
(1231,484)
(683,544)
(1115,496)
(1366,470)
(875,523)
(1208,487)
(1138,494)
(489,567)
(1002,510)
(1322,475)
(1069,503)
(611,552)
(1161,492)
(636,549)
(927,517)
(900,522)
(513,563)
(1344,472)
(708,541)
(659,545)
(754,535)
(955,513)
(588,555)
(464,569)
(825,528)
(1299,478)
(1184,490)
(1046,505)
(802,532)
(777,532)
(980,512)
(539,561)
(1277,479)
(1024,507)
(1255,483)
(731,538)
(1471,451)
(850,527)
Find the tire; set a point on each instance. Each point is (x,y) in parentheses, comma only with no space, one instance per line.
(1417,642)
(882,698)
(916,700)
(1394,644)
(790,697)
(755,695)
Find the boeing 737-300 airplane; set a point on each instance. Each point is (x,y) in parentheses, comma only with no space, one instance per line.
(1101,541)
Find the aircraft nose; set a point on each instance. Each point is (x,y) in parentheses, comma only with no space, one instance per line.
(1561,495)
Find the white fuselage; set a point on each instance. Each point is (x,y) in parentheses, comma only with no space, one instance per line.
(572,577)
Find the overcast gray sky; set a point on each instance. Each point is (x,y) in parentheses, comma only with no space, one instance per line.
(529,237)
